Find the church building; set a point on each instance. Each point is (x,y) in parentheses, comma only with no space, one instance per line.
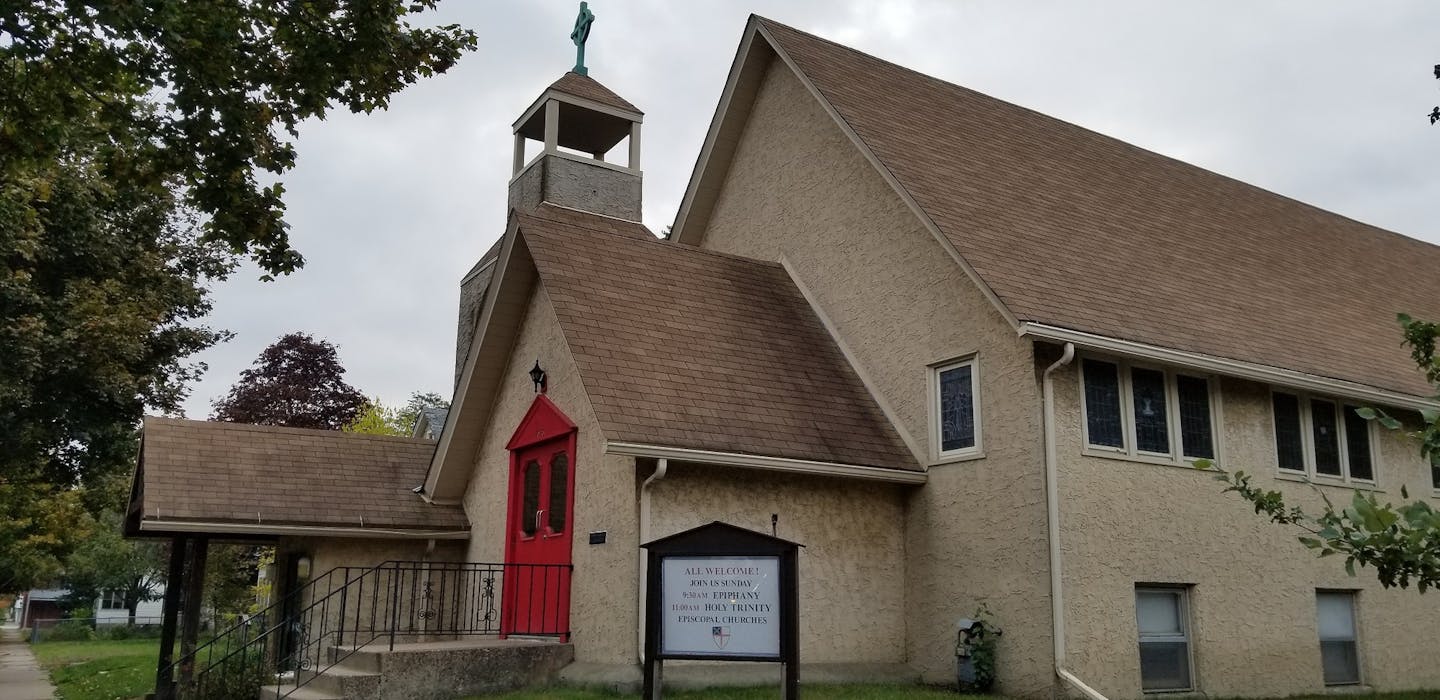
(965,353)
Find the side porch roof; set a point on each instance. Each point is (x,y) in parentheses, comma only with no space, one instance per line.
(248,480)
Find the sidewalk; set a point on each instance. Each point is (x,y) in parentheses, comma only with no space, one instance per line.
(20,675)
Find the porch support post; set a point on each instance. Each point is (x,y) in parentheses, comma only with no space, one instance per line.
(164,677)
(195,556)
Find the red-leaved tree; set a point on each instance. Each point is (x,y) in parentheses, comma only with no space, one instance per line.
(296,382)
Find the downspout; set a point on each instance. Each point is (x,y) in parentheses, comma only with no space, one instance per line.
(660,466)
(1052,505)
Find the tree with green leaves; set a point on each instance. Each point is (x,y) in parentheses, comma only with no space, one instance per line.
(1401,542)
(298,382)
(378,419)
(107,561)
(134,138)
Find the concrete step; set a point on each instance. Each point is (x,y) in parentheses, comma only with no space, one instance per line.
(447,669)
(303,693)
(344,681)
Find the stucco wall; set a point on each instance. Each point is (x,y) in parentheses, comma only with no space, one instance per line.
(852,569)
(579,185)
(798,190)
(1253,610)
(603,604)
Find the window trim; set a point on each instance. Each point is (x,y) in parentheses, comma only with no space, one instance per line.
(938,455)
(1130,450)
(1182,594)
(1307,441)
(1354,596)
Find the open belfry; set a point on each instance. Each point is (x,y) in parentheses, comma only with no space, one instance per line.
(922,332)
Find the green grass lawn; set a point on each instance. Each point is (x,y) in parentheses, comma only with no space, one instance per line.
(811,692)
(101,670)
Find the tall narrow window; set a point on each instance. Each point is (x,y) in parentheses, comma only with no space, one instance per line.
(1357,445)
(957,407)
(1289,445)
(559,492)
(1196,435)
(1435,471)
(1160,614)
(1152,433)
(530,499)
(1102,404)
(1339,656)
(1327,438)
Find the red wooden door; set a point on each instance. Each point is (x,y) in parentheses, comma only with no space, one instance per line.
(541,508)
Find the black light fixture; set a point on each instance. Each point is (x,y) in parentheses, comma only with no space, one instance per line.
(537,376)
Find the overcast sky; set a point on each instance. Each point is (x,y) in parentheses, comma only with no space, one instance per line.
(1320,100)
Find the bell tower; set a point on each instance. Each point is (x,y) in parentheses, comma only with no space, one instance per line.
(578,122)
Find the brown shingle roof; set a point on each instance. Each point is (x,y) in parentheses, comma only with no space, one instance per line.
(690,348)
(262,475)
(1075,229)
(573,83)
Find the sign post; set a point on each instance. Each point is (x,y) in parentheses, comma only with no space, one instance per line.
(722,593)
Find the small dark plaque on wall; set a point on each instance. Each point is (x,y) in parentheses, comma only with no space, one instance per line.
(597,537)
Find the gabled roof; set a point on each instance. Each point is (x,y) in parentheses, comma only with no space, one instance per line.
(675,346)
(1069,228)
(683,347)
(573,83)
(204,476)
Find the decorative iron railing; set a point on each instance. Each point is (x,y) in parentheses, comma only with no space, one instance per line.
(347,608)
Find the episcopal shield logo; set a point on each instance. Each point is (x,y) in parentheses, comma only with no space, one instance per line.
(721,635)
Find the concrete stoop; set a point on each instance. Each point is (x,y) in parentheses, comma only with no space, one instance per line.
(433,670)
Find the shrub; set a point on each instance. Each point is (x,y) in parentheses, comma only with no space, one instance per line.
(68,631)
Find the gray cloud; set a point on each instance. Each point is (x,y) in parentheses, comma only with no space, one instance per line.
(1322,101)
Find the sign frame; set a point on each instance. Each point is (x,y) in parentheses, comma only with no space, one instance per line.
(719,540)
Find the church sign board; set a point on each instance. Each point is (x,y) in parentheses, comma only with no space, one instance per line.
(722,593)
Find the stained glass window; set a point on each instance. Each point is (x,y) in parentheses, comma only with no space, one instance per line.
(1327,438)
(1147,388)
(1102,404)
(957,408)
(530,498)
(559,482)
(1357,445)
(1289,446)
(1196,439)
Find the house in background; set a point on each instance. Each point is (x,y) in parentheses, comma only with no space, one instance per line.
(964,352)
(43,607)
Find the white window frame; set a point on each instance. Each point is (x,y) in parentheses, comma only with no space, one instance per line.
(1354,634)
(1182,594)
(112,599)
(1307,441)
(937,454)
(1130,449)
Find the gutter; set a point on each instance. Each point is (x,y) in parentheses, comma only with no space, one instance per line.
(661,466)
(318,530)
(1052,520)
(778,464)
(1264,374)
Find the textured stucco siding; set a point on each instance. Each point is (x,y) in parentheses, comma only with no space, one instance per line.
(602,603)
(799,191)
(852,568)
(1253,589)
(578,185)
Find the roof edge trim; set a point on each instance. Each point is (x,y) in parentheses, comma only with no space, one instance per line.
(212,527)
(767,463)
(1236,368)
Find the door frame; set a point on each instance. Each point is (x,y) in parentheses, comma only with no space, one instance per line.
(542,424)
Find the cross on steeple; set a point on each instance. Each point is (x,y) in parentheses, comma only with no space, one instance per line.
(579,35)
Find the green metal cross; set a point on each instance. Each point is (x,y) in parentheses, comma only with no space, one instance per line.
(579,35)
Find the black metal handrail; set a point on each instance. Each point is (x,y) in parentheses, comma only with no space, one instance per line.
(347,608)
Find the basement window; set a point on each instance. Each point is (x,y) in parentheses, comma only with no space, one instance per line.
(1148,413)
(1161,614)
(1322,438)
(1339,655)
(956,409)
